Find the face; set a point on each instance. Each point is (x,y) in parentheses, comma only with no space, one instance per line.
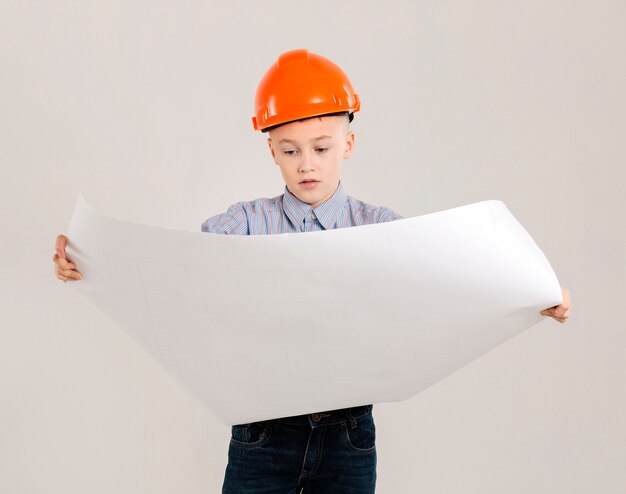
(310,154)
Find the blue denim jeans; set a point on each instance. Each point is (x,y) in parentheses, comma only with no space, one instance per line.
(319,453)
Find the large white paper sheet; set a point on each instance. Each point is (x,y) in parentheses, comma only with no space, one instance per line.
(267,326)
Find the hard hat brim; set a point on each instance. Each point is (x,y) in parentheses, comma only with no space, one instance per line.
(340,113)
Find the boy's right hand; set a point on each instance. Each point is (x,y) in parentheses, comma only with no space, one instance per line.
(64,269)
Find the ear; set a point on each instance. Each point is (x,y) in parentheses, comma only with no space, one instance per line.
(272,151)
(349,145)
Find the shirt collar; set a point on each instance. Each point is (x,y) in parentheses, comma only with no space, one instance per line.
(327,212)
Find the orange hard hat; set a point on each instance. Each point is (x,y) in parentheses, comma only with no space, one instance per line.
(301,84)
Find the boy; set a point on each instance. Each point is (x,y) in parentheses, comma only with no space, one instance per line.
(305,103)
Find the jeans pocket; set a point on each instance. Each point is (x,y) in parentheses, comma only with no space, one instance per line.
(361,437)
(250,435)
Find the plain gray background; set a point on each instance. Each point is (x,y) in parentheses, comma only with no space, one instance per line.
(146,107)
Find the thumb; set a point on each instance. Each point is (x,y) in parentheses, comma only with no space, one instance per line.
(61,243)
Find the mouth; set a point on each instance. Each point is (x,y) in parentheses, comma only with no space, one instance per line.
(309,183)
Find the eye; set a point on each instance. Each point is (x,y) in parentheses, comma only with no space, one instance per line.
(321,150)
(289,152)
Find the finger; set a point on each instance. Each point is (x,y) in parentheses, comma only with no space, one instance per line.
(63,263)
(564,312)
(63,278)
(60,245)
(67,278)
(73,274)
(69,273)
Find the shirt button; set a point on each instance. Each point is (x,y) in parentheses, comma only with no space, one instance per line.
(316,417)
(313,215)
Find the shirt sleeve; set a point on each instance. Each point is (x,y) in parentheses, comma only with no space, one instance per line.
(386,214)
(233,222)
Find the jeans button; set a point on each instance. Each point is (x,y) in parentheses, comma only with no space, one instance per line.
(316,417)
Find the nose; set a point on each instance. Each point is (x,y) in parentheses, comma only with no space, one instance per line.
(306,163)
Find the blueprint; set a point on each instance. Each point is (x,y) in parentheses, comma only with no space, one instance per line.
(268,326)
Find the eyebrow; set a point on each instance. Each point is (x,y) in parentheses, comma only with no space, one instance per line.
(315,139)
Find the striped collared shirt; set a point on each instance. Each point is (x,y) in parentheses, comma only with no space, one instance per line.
(288,214)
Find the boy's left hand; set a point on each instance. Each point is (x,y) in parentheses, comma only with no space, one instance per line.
(560,312)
